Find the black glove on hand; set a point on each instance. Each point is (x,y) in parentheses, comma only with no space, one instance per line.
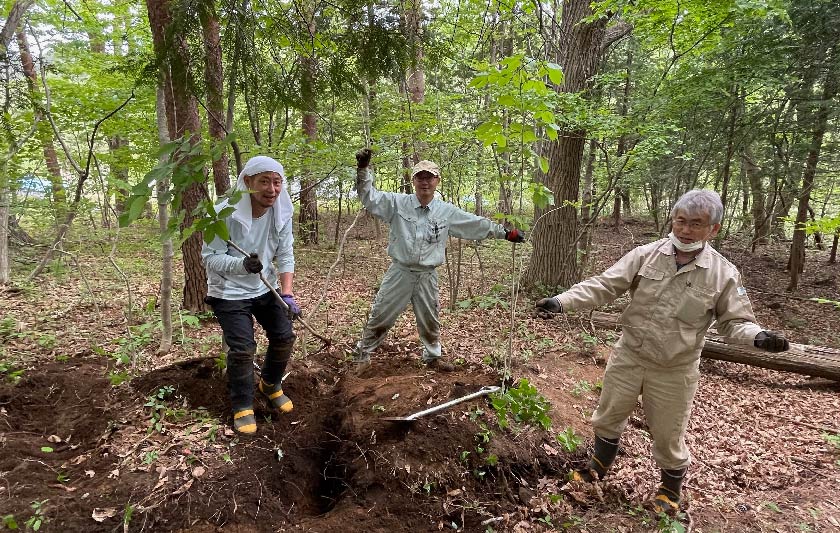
(515,235)
(363,157)
(548,307)
(252,264)
(772,341)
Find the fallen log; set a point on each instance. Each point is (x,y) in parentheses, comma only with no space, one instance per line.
(817,361)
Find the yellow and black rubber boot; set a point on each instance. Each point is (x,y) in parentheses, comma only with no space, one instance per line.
(276,359)
(244,421)
(667,499)
(275,395)
(600,462)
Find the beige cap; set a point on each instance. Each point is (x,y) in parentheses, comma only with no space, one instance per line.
(425,166)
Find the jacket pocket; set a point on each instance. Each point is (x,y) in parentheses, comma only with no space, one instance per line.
(652,273)
(436,231)
(694,305)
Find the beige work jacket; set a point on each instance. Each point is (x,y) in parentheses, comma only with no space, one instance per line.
(670,311)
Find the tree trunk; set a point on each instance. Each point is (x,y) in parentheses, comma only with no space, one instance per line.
(5,273)
(119,178)
(308,194)
(621,149)
(214,79)
(45,135)
(726,172)
(797,249)
(182,117)
(415,81)
(760,220)
(163,222)
(586,204)
(19,9)
(554,261)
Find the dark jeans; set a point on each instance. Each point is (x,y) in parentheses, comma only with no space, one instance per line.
(236,317)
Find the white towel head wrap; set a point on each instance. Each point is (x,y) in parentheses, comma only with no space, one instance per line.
(283,208)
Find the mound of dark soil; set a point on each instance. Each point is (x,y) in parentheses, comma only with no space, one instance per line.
(333,461)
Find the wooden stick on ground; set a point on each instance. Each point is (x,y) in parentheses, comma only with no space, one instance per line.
(809,360)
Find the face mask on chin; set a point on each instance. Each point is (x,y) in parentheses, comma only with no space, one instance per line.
(681,246)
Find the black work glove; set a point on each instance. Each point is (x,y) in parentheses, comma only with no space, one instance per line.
(253,264)
(515,235)
(363,157)
(772,341)
(548,307)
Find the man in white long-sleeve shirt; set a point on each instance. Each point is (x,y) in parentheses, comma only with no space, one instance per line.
(260,224)
(678,286)
(419,228)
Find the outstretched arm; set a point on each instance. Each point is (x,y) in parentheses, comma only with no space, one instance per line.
(378,203)
(468,226)
(603,288)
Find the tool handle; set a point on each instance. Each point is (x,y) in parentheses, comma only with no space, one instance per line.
(280,300)
(482,392)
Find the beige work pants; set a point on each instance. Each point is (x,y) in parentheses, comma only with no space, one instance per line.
(667,395)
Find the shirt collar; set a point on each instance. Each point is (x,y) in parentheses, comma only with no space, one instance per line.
(702,259)
(415,202)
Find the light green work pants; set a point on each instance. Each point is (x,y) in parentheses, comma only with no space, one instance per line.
(401,286)
(667,396)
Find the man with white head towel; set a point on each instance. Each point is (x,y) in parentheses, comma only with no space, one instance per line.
(261,224)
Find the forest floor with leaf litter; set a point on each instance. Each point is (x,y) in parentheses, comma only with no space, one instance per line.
(99,433)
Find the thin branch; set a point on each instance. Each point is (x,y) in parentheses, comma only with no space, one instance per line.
(68,6)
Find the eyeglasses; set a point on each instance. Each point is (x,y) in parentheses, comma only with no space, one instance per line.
(693,226)
(427,177)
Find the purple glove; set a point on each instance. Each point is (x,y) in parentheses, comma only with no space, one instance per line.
(294,308)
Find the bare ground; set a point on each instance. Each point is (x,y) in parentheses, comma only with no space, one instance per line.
(155,453)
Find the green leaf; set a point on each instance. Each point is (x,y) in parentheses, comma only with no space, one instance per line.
(544,165)
(9,522)
(216,229)
(555,73)
(46,449)
(506,100)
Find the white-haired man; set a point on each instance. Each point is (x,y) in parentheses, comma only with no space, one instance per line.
(678,286)
(262,225)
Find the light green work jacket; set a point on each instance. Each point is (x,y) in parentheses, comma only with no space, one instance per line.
(418,234)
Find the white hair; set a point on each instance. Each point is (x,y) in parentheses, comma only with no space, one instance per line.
(700,201)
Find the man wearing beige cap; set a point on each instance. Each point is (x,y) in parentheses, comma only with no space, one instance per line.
(420,225)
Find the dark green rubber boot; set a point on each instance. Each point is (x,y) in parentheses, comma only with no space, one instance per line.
(600,462)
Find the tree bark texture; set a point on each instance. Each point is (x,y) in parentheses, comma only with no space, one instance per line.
(214,79)
(5,274)
(760,219)
(13,21)
(415,80)
(817,361)
(172,52)
(554,261)
(45,135)
(308,216)
(797,249)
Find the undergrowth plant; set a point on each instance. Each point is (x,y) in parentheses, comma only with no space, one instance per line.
(569,440)
(38,519)
(524,404)
(156,402)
